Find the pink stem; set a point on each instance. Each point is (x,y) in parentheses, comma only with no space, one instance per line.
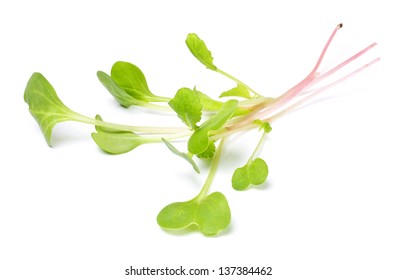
(341,65)
(312,78)
(295,90)
(339,26)
(312,75)
(232,130)
(316,92)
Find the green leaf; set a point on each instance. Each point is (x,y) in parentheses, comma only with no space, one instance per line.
(238,91)
(258,171)
(115,141)
(178,215)
(253,173)
(208,103)
(211,214)
(212,105)
(188,107)
(240,178)
(45,105)
(266,127)
(209,152)
(263,125)
(200,51)
(118,92)
(129,77)
(186,156)
(199,140)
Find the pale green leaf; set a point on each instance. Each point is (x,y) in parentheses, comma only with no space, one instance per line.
(238,91)
(188,107)
(211,214)
(208,103)
(118,92)
(178,215)
(115,141)
(129,77)
(200,51)
(240,178)
(45,105)
(257,171)
(253,173)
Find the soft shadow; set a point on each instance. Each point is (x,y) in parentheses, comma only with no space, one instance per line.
(324,98)
(193,229)
(68,133)
(263,187)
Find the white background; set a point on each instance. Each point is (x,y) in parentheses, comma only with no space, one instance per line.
(73,212)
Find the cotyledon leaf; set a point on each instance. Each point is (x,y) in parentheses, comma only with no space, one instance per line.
(117,91)
(253,173)
(115,141)
(210,214)
(45,105)
(129,77)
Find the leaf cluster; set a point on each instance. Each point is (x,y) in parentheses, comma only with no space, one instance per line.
(206,121)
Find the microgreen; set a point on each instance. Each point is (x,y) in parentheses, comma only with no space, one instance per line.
(208,122)
(255,171)
(210,213)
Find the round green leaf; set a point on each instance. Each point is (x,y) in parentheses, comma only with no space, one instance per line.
(211,214)
(240,178)
(178,215)
(257,171)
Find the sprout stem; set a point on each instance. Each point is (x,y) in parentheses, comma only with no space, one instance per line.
(258,147)
(288,95)
(341,65)
(212,171)
(157,107)
(238,82)
(261,112)
(141,129)
(316,92)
